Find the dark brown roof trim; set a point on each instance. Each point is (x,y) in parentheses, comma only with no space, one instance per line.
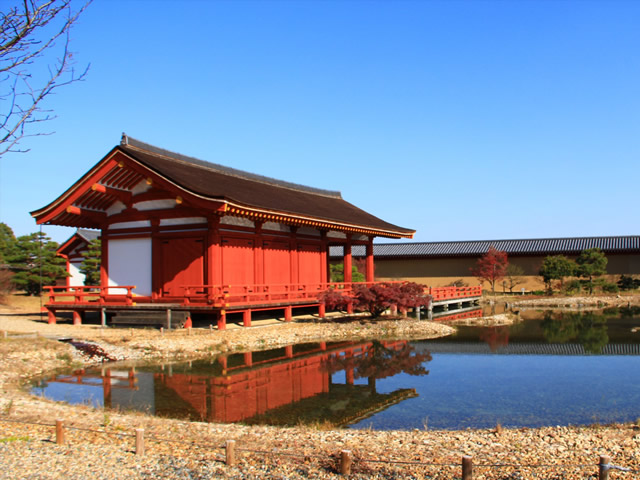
(137,144)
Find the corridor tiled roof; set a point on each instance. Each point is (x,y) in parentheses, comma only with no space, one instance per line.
(539,246)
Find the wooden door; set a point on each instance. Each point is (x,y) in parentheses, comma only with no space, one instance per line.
(277,262)
(309,264)
(182,264)
(237,263)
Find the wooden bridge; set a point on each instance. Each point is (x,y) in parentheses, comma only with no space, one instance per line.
(217,300)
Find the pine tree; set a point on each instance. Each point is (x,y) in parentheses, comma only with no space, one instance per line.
(592,263)
(34,262)
(90,266)
(7,240)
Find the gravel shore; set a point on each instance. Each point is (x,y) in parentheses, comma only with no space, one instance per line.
(101,444)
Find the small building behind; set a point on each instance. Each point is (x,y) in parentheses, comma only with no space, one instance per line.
(443,263)
(73,252)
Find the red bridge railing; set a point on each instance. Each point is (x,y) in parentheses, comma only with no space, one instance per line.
(110,295)
(221,296)
(449,293)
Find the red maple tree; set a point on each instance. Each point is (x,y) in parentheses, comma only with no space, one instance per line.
(491,267)
(377,298)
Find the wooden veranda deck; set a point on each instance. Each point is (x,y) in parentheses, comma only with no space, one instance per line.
(218,300)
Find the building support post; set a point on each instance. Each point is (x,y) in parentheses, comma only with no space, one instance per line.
(288,313)
(77,317)
(347,262)
(248,359)
(222,320)
(213,257)
(246,318)
(51,316)
(369,274)
(104,259)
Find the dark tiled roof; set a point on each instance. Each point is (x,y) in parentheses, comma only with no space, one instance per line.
(539,246)
(222,183)
(88,235)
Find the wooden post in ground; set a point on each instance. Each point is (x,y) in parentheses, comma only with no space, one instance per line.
(139,441)
(467,467)
(230,450)
(603,467)
(345,462)
(103,317)
(60,432)
(168,319)
(222,320)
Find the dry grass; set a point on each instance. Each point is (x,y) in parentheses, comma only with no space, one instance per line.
(23,302)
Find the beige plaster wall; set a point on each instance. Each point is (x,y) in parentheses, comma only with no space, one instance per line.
(438,272)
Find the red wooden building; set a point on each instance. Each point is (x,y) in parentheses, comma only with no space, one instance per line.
(181,234)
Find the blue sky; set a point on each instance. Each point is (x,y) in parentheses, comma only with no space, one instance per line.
(464,120)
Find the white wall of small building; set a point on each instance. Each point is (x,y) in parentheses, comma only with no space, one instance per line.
(76,278)
(130,264)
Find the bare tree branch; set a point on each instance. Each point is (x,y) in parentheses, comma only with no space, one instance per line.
(35,60)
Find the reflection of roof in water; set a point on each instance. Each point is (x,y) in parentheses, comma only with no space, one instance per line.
(525,348)
(343,405)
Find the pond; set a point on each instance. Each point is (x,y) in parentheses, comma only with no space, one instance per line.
(571,368)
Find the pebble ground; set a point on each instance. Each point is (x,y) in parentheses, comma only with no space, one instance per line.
(101,445)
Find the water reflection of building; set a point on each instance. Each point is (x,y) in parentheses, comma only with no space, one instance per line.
(305,383)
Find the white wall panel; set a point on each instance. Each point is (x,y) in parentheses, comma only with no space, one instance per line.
(77,277)
(130,264)
(137,224)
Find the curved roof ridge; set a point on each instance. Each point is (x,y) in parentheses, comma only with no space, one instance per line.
(130,142)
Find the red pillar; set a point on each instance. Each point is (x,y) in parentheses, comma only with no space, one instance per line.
(369,275)
(322,311)
(104,259)
(258,256)
(223,362)
(347,262)
(288,313)
(246,318)
(77,317)
(248,359)
(293,256)
(213,257)
(324,256)
(156,260)
(51,316)
(350,377)
(222,320)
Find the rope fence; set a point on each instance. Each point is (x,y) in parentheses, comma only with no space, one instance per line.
(344,459)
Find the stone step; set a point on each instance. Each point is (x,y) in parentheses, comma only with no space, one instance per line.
(158,318)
